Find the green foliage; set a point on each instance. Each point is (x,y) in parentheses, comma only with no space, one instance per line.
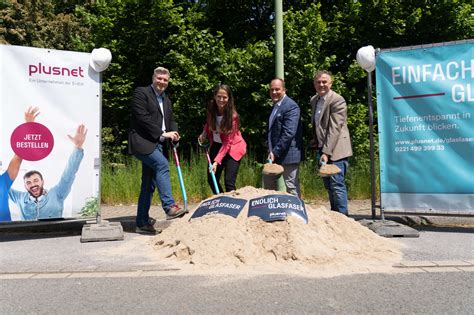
(91,207)
(35,23)
(358,180)
(120,182)
(111,151)
(312,186)
(243,21)
(206,42)
(304,33)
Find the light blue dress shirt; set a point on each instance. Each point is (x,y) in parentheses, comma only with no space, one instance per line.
(51,203)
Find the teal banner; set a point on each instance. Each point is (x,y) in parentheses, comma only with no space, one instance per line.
(425,102)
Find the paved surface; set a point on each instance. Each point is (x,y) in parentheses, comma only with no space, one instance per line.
(417,293)
(358,209)
(432,251)
(45,269)
(53,273)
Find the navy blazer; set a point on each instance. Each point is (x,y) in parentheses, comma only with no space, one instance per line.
(147,119)
(286,133)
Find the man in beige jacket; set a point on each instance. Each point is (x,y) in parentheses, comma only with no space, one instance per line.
(331,137)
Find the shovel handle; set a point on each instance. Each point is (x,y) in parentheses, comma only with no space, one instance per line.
(180,177)
(214,181)
(213,176)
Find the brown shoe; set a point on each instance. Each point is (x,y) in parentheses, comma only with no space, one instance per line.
(175,212)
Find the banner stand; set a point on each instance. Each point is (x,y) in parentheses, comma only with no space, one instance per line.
(101,230)
(426,145)
(382,227)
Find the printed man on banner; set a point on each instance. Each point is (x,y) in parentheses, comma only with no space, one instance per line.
(8,177)
(38,203)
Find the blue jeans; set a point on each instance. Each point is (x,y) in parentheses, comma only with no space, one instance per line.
(155,174)
(336,187)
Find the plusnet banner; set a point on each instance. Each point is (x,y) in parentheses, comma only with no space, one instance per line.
(425,99)
(49,133)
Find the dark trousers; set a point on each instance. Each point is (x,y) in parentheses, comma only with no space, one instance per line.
(228,165)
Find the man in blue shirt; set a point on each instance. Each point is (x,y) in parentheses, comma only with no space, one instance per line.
(7,178)
(6,181)
(39,203)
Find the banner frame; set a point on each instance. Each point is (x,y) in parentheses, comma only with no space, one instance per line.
(414,212)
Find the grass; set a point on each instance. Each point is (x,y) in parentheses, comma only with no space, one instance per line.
(120,181)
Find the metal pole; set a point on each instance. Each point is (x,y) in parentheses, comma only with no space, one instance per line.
(279,65)
(371,137)
(279,61)
(99,191)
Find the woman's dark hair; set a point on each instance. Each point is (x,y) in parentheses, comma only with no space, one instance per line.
(229,110)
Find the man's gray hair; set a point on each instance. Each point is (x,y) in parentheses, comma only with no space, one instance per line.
(320,73)
(160,70)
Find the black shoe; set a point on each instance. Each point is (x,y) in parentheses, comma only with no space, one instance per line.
(175,212)
(146,229)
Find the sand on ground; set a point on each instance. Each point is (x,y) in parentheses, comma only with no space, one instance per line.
(331,244)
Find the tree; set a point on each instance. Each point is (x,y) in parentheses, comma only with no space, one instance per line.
(205,42)
(35,23)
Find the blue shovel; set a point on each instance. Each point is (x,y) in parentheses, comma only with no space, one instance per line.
(205,145)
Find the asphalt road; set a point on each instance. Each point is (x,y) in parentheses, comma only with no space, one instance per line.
(52,273)
(409,293)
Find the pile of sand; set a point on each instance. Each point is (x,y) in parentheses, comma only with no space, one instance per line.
(330,244)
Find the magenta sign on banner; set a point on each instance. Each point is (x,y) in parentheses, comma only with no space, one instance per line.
(32,141)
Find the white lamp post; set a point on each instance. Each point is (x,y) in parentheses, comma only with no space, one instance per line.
(99,61)
(366,59)
(101,230)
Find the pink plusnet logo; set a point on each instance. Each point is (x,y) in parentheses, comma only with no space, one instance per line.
(61,71)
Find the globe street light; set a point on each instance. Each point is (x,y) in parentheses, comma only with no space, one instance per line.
(366,59)
(100,59)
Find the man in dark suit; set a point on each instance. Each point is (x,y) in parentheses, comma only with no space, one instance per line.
(152,125)
(285,136)
(331,137)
